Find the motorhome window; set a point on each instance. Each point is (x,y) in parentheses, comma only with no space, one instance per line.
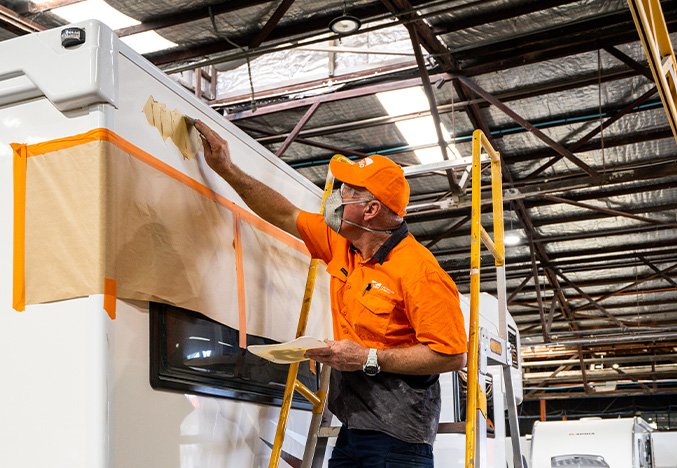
(191,353)
(462,404)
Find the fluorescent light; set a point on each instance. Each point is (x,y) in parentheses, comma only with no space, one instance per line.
(403,101)
(147,42)
(95,9)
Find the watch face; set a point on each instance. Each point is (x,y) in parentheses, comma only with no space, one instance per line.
(371,370)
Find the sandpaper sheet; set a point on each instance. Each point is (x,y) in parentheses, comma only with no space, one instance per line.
(289,352)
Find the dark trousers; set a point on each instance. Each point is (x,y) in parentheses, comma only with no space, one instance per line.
(370,449)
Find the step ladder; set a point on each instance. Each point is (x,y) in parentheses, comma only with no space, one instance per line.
(318,400)
(485,348)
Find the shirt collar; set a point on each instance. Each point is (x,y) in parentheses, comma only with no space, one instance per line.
(391,242)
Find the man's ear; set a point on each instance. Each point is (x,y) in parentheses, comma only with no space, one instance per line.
(372,209)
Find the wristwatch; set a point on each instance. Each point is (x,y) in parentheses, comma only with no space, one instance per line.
(371,367)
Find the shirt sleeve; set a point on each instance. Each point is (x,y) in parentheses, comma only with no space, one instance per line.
(315,234)
(434,311)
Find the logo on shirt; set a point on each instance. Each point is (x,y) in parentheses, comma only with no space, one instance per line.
(365,162)
(381,287)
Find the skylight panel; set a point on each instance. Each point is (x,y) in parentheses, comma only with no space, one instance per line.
(95,9)
(419,131)
(143,43)
(147,42)
(403,101)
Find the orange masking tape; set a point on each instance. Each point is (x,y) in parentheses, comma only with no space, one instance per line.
(110,297)
(19,262)
(239,271)
(103,134)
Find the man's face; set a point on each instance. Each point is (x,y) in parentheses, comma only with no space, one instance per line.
(354,211)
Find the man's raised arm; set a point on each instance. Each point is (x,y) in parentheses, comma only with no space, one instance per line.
(264,201)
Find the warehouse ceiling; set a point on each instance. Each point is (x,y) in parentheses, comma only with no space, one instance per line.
(563,91)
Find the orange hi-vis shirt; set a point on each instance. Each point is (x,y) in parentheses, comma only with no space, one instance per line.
(398,298)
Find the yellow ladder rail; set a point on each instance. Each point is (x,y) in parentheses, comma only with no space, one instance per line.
(476,400)
(653,32)
(292,383)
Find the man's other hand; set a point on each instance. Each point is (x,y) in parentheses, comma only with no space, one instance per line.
(344,355)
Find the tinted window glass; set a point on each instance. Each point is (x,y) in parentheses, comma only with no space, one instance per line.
(191,353)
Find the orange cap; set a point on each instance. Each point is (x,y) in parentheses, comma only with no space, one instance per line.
(380,176)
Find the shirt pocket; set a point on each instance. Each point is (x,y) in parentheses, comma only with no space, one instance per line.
(373,320)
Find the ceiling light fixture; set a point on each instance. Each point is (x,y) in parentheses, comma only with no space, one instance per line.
(511,238)
(345,24)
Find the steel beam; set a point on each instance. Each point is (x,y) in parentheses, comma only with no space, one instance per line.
(626,110)
(590,299)
(660,273)
(333,149)
(623,289)
(559,86)
(16,24)
(37,7)
(187,16)
(523,122)
(502,13)
(517,290)
(607,211)
(578,38)
(290,139)
(270,24)
(446,233)
(629,61)
(428,89)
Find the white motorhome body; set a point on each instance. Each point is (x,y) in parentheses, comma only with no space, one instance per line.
(115,222)
(592,442)
(664,449)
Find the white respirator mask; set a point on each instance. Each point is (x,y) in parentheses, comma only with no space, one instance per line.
(333,212)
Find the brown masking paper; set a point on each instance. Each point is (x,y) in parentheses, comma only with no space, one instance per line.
(94,212)
(173,125)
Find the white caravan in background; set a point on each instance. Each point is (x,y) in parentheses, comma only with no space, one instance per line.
(592,443)
(132,279)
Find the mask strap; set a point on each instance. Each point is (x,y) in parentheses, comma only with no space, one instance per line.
(354,202)
(368,229)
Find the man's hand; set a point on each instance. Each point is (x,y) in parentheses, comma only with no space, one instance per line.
(344,355)
(418,359)
(216,150)
(264,201)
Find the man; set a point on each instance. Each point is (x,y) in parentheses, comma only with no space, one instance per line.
(396,314)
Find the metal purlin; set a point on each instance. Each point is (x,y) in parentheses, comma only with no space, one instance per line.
(318,400)
(477,400)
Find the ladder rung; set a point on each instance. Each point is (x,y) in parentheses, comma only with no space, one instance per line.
(666,66)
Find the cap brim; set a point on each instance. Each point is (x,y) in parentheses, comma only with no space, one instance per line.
(346,173)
